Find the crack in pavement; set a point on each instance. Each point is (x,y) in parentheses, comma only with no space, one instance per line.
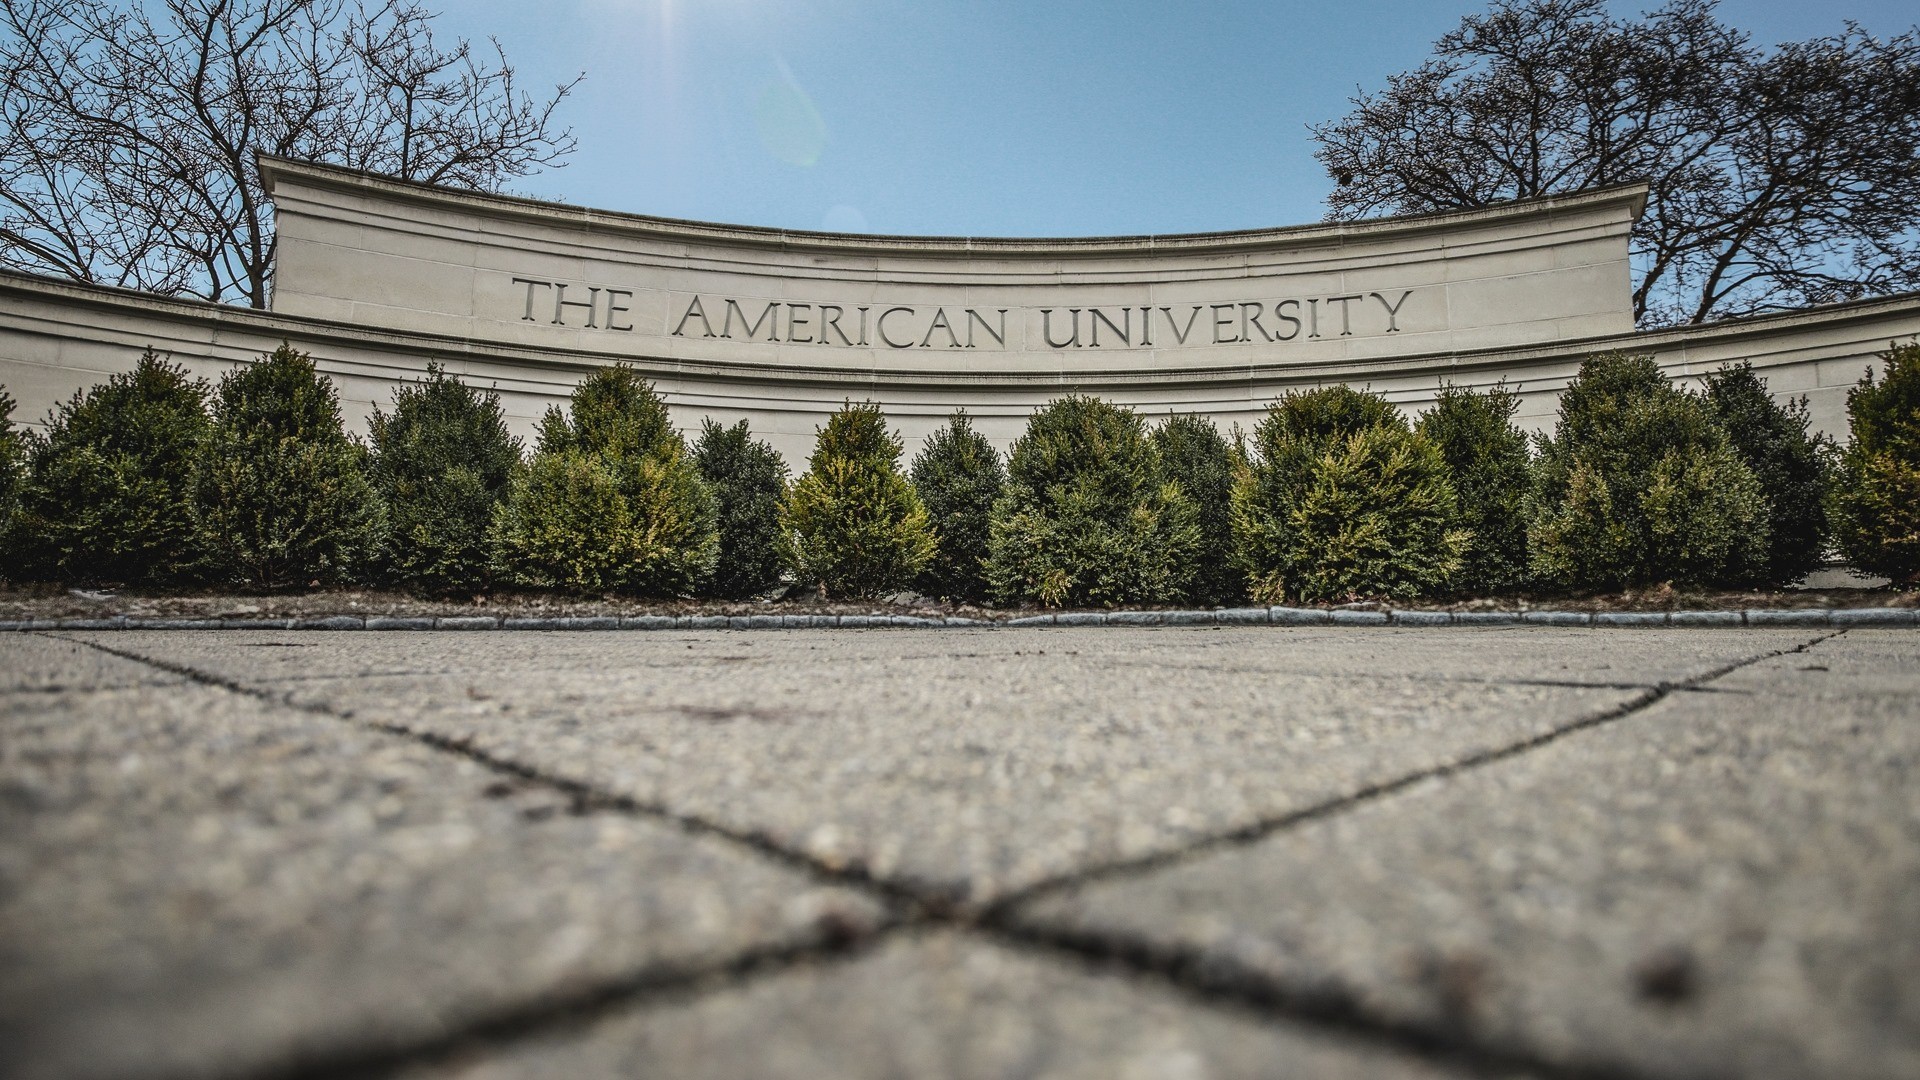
(916,904)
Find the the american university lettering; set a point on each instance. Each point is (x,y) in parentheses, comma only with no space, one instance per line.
(936,326)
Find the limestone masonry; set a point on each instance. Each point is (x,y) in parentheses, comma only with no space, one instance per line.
(375,277)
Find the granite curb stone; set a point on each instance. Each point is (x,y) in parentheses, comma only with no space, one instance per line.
(388,622)
(1765,617)
(1706,618)
(331,622)
(1630,618)
(1486,618)
(1873,617)
(1278,616)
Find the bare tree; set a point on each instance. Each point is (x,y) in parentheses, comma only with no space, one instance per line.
(128,132)
(1779,177)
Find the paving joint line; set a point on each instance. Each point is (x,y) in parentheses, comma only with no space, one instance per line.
(579,1008)
(1260,830)
(909,906)
(583,796)
(1325,1005)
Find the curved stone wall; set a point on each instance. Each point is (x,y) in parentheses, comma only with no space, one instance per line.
(377,277)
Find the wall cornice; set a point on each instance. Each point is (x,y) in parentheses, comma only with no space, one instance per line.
(1630,197)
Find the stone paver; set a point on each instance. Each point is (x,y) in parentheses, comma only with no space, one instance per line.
(193,882)
(1636,852)
(1725,884)
(940,1007)
(43,665)
(976,763)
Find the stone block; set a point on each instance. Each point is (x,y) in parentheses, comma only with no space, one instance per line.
(1630,618)
(393,622)
(1786,617)
(1873,617)
(1705,618)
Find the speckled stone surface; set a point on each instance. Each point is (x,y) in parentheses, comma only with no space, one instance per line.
(942,1007)
(1117,851)
(1727,883)
(976,762)
(193,882)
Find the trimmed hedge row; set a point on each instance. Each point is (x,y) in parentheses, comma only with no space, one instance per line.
(152,477)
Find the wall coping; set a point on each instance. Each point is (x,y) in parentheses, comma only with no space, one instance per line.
(1633,197)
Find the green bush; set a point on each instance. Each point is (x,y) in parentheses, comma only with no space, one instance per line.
(1194,455)
(611,502)
(1088,516)
(851,525)
(1341,500)
(281,494)
(1876,503)
(13,475)
(958,475)
(1640,485)
(1488,464)
(747,477)
(442,461)
(108,496)
(1790,465)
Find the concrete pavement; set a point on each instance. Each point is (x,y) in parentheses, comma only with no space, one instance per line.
(1052,852)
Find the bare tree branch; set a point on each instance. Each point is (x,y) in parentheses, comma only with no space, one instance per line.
(129,132)
(1782,177)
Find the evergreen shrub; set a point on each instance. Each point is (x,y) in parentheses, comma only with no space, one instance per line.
(1791,466)
(281,495)
(1640,485)
(442,462)
(851,525)
(958,475)
(747,477)
(1089,516)
(108,496)
(1341,500)
(13,475)
(1876,502)
(1194,455)
(611,501)
(1489,466)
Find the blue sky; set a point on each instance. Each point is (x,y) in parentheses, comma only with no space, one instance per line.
(1033,118)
